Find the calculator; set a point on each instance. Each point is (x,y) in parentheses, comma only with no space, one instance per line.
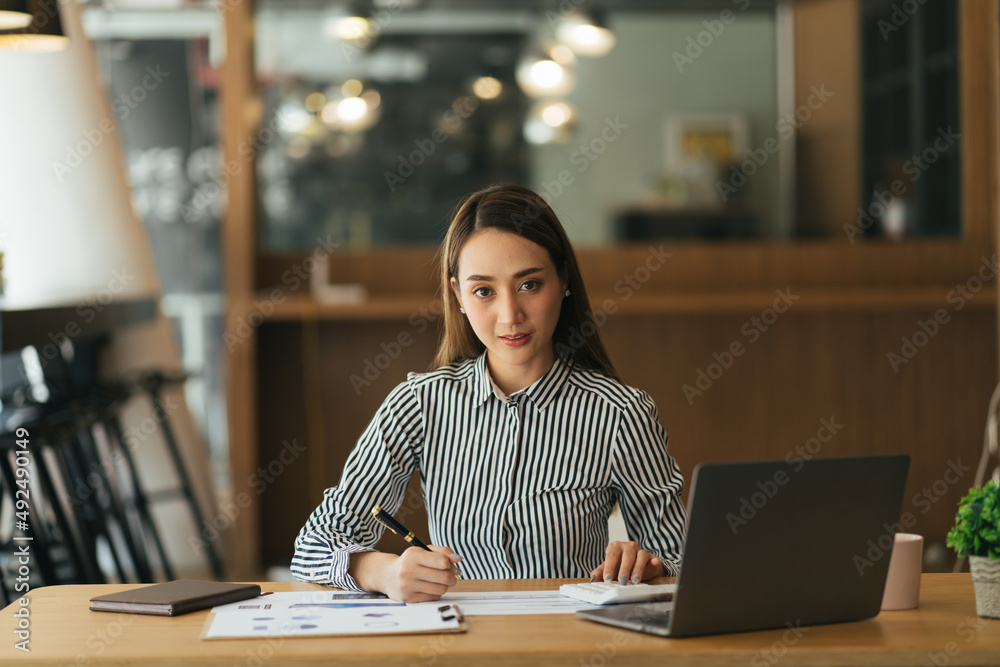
(615,593)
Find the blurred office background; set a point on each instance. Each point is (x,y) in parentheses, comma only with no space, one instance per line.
(826,148)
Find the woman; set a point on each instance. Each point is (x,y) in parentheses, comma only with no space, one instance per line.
(523,433)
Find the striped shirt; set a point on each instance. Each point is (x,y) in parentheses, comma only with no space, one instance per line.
(521,486)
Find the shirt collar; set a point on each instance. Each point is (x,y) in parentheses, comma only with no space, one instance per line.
(541,393)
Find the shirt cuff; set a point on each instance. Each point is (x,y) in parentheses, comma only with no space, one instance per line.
(671,568)
(338,568)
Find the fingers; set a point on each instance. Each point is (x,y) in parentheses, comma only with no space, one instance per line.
(626,563)
(629,559)
(437,565)
(641,566)
(452,557)
(425,575)
(616,556)
(654,568)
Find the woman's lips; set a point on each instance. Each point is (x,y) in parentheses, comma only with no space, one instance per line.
(515,342)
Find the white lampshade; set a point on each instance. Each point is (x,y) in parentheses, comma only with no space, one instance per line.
(69,236)
(67,229)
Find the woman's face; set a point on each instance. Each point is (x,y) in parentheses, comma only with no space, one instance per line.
(512,296)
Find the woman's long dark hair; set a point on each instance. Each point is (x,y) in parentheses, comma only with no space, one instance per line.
(518,210)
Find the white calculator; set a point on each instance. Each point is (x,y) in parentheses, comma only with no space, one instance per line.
(615,593)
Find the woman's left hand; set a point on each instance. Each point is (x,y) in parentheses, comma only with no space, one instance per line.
(626,563)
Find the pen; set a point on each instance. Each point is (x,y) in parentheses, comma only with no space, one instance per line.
(389,522)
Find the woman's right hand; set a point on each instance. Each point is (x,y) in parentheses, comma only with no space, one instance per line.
(420,576)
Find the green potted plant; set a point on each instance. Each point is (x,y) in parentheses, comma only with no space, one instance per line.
(977,535)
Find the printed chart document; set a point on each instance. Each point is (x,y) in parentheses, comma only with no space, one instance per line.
(318,621)
(294,611)
(329,599)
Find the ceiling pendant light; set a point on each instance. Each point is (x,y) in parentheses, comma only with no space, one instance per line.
(547,73)
(586,33)
(31,25)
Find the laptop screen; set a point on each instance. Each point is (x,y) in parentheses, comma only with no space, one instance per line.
(787,543)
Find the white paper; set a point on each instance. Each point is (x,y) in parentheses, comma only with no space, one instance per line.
(472,604)
(275,602)
(512,602)
(323,621)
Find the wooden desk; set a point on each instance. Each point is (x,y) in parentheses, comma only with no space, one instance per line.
(65,632)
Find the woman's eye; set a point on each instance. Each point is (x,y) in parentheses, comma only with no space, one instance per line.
(482,292)
(530,285)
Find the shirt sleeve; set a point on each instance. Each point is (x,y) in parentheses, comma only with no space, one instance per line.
(376,473)
(649,484)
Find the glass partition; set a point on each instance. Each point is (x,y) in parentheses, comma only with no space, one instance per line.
(631,143)
(724,119)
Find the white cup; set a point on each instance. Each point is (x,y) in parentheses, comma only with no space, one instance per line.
(902,585)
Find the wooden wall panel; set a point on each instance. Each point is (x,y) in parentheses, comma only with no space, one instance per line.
(828,146)
(807,367)
(691,267)
(825,358)
(344,349)
(980,84)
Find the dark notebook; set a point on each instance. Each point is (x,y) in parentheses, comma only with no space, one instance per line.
(174,597)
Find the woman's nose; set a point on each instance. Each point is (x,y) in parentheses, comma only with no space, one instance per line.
(510,309)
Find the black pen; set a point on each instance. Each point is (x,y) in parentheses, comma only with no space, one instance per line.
(389,522)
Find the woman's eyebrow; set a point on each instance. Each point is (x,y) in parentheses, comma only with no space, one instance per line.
(519,274)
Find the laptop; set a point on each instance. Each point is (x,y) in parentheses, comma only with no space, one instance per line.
(775,544)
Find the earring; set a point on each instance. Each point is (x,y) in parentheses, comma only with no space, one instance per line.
(461,310)
(567,292)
